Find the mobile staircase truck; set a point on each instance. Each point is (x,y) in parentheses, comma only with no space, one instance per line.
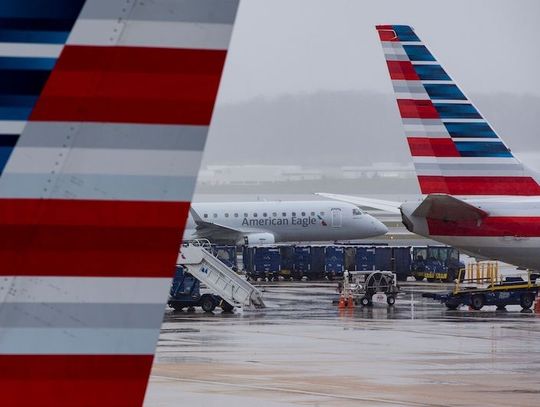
(481,284)
(196,264)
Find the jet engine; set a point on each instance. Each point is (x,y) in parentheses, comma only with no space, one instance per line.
(258,238)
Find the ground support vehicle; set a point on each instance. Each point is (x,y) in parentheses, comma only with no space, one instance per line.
(186,293)
(227,288)
(487,288)
(367,287)
(435,263)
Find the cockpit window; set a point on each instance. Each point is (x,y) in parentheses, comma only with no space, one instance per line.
(356,211)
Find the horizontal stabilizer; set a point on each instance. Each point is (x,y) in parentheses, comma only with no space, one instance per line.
(446,207)
(388,206)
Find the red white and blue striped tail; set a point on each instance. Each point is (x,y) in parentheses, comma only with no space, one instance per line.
(455,150)
(104,112)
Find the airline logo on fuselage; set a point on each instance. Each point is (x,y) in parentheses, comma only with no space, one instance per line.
(304,221)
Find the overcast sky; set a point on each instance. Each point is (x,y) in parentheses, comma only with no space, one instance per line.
(290,46)
(306,81)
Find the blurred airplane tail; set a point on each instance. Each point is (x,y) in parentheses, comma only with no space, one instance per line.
(104,111)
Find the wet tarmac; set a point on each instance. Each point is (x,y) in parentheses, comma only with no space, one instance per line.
(303,351)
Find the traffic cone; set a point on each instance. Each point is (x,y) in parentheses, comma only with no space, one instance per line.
(342,303)
(350,302)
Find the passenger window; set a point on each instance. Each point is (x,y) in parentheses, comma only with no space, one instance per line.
(284,214)
(215,215)
(205,215)
(265,214)
(322,213)
(226,215)
(255,214)
(303,214)
(245,215)
(236,215)
(356,211)
(293,213)
(312,213)
(274,214)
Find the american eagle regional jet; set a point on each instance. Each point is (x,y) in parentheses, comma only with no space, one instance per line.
(280,221)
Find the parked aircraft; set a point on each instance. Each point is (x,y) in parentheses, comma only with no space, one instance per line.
(105,108)
(280,221)
(477,195)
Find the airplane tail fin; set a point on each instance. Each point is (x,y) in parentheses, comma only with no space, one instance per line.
(105,107)
(455,150)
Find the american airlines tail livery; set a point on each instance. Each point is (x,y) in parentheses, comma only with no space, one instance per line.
(477,195)
(280,221)
(104,111)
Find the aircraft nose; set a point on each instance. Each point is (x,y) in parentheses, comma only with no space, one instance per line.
(377,227)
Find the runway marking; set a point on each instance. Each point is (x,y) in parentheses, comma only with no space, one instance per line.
(304,392)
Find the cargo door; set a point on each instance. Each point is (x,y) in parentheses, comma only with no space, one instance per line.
(336,217)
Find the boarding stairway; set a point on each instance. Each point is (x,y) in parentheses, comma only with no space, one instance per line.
(197,257)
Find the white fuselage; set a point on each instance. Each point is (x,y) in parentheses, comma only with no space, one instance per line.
(289,221)
(511,232)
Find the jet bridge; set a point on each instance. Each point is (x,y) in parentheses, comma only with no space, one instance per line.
(197,257)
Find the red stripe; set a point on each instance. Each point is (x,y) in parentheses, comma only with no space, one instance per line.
(90,238)
(386,33)
(432,147)
(132,85)
(402,70)
(525,226)
(417,109)
(74,380)
(525,186)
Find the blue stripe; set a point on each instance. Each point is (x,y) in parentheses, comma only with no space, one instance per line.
(456,111)
(482,149)
(5,152)
(440,92)
(472,130)
(56,9)
(418,53)
(40,24)
(431,73)
(405,33)
(18,100)
(27,63)
(15,113)
(14,82)
(37,37)
(8,140)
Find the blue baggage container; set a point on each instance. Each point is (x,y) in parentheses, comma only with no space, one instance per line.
(402,262)
(334,261)
(267,260)
(308,262)
(365,258)
(247,259)
(287,261)
(225,253)
(383,258)
(261,261)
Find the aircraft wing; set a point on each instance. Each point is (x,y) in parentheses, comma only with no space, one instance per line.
(388,206)
(213,231)
(447,207)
